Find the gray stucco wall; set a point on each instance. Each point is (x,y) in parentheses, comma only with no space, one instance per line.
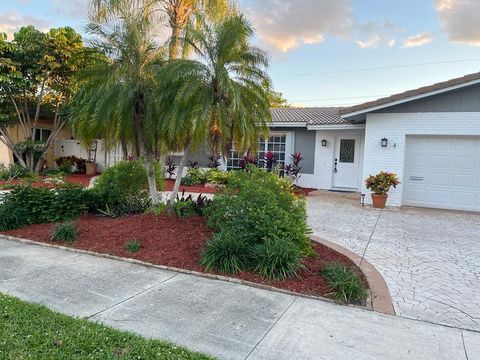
(304,144)
(461,100)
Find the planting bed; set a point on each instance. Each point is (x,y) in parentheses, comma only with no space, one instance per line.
(168,240)
(211,190)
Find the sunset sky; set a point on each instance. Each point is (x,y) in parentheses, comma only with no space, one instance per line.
(328,52)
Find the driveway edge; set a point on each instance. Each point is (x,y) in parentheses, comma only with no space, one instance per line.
(380,298)
(184,271)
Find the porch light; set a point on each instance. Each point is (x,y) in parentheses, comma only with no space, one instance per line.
(384,142)
(324,143)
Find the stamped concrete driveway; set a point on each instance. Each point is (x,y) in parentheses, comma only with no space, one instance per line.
(430,259)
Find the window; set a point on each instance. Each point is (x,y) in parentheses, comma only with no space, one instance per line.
(42,134)
(347,151)
(276,143)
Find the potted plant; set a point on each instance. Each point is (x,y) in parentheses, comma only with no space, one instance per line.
(379,185)
(91,167)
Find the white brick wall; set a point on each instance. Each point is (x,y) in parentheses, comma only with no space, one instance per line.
(395,127)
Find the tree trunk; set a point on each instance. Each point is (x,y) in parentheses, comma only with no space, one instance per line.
(174,43)
(162,161)
(124,149)
(152,184)
(178,180)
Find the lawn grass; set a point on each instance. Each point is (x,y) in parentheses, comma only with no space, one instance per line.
(30,331)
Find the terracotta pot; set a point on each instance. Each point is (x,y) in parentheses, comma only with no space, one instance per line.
(379,201)
(91,168)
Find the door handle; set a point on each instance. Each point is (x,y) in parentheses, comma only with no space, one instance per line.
(335,169)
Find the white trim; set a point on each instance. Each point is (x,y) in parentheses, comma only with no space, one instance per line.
(411,98)
(288,124)
(336,127)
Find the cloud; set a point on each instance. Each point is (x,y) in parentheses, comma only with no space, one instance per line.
(371,35)
(11,22)
(418,40)
(371,43)
(71,8)
(286,24)
(460,20)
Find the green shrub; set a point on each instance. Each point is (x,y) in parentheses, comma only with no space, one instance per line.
(277,259)
(133,246)
(12,172)
(71,201)
(123,181)
(344,284)
(264,207)
(187,206)
(215,176)
(66,231)
(131,205)
(264,212)
(41,205)
(195,176)
(184,208)
(156,210)
(11,218)
(226,252)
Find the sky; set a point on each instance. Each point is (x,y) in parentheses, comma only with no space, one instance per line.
(329,52)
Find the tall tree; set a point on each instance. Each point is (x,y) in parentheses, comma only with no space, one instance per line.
(179,13)
(37,75)
(116,100)
(276,98)
(219,97)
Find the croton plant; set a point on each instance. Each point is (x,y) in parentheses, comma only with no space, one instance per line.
(382,182)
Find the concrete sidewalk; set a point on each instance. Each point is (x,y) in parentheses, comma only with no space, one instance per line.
(224,319)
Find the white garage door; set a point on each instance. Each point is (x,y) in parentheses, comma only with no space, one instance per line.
(443,172)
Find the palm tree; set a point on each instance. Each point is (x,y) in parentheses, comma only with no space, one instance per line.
(180,13)
(220,97)
(115,101)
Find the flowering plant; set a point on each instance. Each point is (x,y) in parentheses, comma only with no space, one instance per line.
(382,182)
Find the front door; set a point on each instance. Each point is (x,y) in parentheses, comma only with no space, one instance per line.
(346,161)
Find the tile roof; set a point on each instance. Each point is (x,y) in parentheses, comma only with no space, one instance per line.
(412,93)
(308,116)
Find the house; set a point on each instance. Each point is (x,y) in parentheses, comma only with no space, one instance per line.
(43,131)
(429,136)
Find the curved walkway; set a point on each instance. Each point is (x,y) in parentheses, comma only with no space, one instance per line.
(227,320)
(430,259)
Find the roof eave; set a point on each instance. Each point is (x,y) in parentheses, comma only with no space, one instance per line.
(408,99)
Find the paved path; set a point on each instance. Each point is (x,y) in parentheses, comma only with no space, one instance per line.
(430,259)
(224,319)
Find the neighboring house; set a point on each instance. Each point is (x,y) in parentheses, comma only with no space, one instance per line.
(42,133)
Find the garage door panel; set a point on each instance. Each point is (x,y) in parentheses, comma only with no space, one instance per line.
(464,198)
(466,146)
(415,194)
(439,161)
(465,162)
(443,172)
(420,161)
(441,179)
(465,180)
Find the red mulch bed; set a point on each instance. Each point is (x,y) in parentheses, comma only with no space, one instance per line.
(168,240)
(79,179)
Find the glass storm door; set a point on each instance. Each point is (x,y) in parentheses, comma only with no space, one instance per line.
(346,161)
